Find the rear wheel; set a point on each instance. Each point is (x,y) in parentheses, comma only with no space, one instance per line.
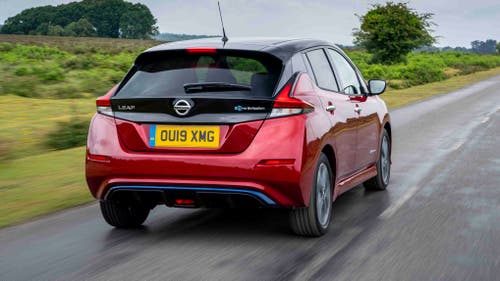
(123,215)
(314,219)
(381,181)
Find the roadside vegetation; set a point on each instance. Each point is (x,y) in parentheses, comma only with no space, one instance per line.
(47,95)
(422,68)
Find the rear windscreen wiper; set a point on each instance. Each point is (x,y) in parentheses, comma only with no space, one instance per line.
(214,87)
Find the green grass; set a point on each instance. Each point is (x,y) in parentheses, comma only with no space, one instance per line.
(26,122)
(41,184)
(397,98)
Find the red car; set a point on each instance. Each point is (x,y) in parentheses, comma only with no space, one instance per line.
(254,122)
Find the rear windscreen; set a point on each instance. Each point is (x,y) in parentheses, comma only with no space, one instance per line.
(224,73)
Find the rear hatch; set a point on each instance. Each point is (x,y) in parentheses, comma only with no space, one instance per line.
(204,100)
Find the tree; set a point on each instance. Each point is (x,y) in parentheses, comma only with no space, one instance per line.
(481,47)
(498,48)
(108,18)
(55,30)
(393,30)
(136,23)
(81,28)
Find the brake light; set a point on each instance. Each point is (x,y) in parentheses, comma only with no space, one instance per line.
(202,50)
(184,202)
(103,103)
(285,105)
(273,162)
(98,158)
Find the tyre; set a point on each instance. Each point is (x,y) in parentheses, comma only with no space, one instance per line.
(314,220)
(123,215)
(381,181)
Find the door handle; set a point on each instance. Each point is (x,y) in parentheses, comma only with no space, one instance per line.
(330,108)
(357,109)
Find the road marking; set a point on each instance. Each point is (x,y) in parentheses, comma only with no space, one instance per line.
(320,260)
(457,145)
(392,209)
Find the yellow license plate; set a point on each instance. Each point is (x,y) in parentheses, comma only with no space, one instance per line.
(184,136)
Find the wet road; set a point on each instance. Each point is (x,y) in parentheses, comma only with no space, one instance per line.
(439,220)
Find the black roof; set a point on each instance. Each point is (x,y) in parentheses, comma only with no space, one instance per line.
(282,48)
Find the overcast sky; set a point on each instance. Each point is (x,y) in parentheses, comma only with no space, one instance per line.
(458,22)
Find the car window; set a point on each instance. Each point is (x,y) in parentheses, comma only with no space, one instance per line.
(346,73)
(244,68)
(164,74)
(322,70)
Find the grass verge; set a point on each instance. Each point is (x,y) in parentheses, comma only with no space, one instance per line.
(398,98)
(41,184)
(26,122)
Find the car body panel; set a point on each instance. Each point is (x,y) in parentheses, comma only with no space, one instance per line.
(280,182)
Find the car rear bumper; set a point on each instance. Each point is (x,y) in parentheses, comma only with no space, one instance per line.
(284,185)
(168,194)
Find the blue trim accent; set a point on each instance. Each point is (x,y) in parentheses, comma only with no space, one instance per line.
(152,135)
(258,194)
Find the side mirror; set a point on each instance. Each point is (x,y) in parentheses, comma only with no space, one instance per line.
(376,86)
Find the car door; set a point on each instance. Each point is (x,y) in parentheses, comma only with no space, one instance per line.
(340,112)
(365,107)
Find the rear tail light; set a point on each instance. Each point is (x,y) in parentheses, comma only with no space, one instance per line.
(98,158)
(271,162)
(285,105)
(104,104)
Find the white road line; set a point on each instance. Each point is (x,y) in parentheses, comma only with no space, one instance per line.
(457,145)
(392,209)
(485,119)
(320,260)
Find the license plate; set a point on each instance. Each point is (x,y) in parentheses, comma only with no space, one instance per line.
(184,136)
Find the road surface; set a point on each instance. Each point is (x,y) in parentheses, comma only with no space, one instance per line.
(439,219)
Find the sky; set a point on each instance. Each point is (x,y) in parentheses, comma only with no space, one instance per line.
(458,22)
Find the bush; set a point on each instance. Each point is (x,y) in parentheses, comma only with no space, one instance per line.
(375,71)
(5,47)
(79,62)
(23,86)
(422,68)
(84,49)
(78,67)
(54,74)
(69,134)
(423,73)
(22,70)
(48,72)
